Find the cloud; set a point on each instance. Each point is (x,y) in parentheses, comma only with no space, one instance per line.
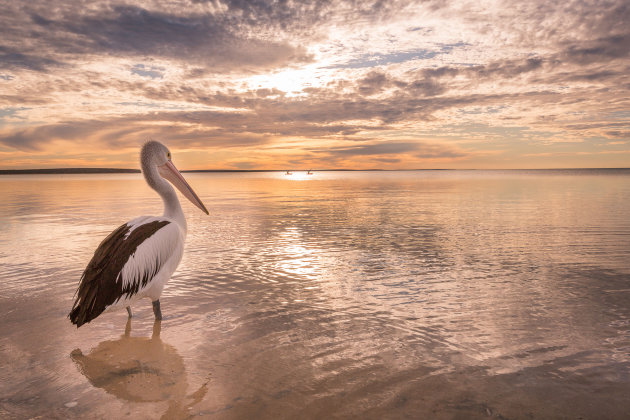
(244,165)
(373,82)
(218,36)
(129,131)
(618,134)
(361,79)
(303,15)
(417,149)
(433,151)
(599,50)
(135,31)
(375,149)
(387,160)
(263,118)
(12,59)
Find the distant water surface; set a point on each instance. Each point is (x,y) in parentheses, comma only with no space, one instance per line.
(421,294)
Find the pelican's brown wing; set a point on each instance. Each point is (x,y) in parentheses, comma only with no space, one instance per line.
(101,284)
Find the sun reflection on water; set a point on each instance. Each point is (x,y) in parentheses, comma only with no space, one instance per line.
(302,261)
(296,175)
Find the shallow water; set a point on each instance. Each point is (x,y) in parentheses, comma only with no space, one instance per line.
(429,294)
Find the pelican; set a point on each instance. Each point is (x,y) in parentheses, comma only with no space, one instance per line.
(136,260)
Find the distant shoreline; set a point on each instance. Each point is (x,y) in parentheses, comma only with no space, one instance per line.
(137,171)
(68,171)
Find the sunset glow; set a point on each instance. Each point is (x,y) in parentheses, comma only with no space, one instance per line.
(316,84)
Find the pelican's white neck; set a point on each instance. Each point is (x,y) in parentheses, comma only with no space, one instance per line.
(172,207)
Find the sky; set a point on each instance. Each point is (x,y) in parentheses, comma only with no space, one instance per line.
(352,84)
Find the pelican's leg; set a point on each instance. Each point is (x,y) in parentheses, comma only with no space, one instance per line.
(128,327)
(129,311)
(156,309)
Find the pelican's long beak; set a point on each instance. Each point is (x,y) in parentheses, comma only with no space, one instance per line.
(169,171)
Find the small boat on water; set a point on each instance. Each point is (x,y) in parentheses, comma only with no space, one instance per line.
(289,173)
(309,172)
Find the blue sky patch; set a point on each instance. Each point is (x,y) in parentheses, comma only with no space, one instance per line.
(146,71)
(373,60)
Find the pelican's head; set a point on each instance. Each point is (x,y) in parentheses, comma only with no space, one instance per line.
(155,155)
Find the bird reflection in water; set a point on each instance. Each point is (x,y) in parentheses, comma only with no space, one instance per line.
(140,369)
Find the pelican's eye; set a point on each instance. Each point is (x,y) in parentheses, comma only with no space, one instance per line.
(168,155)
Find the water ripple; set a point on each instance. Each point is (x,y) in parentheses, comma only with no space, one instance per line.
(344,294)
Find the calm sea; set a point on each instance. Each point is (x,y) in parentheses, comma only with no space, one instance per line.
(424,294)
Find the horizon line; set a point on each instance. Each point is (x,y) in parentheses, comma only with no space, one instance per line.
(90,170)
